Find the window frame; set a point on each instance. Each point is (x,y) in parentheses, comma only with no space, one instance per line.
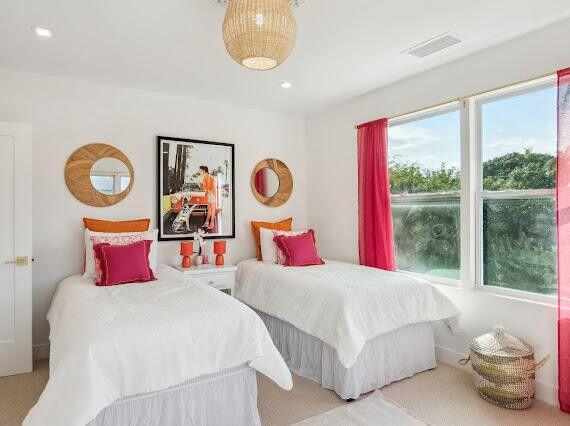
(116,179)
(440,196)
(479,195)
(471,194)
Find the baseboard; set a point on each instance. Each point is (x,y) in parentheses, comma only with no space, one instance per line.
(545,392)
(41,351)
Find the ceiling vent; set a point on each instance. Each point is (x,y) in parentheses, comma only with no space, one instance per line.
(432,46)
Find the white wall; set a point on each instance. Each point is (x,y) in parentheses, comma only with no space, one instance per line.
(67,114)
(331,140)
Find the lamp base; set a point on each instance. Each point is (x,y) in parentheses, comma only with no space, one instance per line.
(186,262)
(220,260)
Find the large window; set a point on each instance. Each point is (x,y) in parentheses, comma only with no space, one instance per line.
(516,190)
(472,185)
(425,182)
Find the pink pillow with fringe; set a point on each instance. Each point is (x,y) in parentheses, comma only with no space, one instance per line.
(123,264)
(299,250)
(279,255)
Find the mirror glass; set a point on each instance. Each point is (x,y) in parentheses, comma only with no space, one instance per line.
(266,182)
(110,176)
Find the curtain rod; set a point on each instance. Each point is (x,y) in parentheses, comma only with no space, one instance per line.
(483,92)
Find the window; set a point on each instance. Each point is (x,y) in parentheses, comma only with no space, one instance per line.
(110,183)
(425,182)
(517,247)
(472,185)
(103,183)
(125,181)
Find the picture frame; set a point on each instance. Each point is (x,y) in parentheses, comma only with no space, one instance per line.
(195,189)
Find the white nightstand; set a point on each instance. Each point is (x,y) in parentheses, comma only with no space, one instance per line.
(222,278)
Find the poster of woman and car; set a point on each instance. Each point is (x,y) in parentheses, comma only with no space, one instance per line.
(195,188)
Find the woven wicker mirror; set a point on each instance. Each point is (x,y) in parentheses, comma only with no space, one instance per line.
(99,175)
(271,182)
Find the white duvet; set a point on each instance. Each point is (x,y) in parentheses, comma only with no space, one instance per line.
(112,342)
(342,304)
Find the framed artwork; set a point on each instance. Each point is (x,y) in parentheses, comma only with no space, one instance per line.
(195,188)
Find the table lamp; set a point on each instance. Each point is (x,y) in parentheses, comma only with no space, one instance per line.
(220,250)
(186,251)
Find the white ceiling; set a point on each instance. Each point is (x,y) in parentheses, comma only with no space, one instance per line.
(344,47)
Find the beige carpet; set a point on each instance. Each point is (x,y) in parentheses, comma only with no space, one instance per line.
(443,396)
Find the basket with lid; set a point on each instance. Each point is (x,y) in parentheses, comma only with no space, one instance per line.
(504,369)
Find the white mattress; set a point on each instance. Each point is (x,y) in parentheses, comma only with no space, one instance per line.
(342,304)
(109,343)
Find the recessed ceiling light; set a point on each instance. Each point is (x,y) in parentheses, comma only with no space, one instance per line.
(43,32)
(286,85)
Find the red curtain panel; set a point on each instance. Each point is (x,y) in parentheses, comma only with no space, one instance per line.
(563,230)
(260,180)
(376,236)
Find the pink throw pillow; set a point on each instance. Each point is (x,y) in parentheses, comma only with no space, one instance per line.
(299,250)
(124,264)
(280,257)
(113,240)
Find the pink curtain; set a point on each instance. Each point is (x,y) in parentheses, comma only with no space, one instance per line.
(259,180)
(376,238)
(563,229)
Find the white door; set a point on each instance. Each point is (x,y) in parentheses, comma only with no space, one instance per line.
(15,248)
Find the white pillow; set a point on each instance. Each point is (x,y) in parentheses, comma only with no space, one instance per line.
(268,247)
(90,256)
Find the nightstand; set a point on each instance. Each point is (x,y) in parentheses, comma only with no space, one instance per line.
(222,278)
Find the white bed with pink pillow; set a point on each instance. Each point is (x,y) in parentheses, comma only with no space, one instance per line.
(166,351)
(351,328)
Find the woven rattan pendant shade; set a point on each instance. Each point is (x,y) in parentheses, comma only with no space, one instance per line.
(259,34)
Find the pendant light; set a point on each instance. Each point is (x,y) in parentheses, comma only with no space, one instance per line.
(259,34)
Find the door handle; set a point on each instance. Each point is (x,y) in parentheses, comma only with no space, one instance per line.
(20,261)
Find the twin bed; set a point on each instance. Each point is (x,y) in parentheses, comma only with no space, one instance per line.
(175,351)
(350,328)
(171,351)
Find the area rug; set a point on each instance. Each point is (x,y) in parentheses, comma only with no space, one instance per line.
(373,410)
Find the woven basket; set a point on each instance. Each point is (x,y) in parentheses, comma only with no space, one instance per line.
(504,369)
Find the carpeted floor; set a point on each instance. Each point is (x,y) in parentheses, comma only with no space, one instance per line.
(443,396)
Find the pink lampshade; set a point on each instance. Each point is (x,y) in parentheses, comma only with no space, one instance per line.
(186,248)
(220,247)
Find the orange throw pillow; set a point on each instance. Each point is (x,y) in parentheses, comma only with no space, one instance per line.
(284,225)
(96,225)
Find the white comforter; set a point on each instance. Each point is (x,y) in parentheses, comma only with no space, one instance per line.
(112,342)
(342,304)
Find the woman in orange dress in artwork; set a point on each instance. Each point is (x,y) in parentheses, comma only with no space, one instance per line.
(208,184)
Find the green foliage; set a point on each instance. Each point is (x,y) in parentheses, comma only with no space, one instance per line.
(518,170)
(409,178)
(519,235)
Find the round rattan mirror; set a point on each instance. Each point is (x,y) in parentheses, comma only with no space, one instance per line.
(271,182)
(99,175)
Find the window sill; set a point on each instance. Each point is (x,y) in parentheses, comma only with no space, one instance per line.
(519,295)
(448,282)
(501,292)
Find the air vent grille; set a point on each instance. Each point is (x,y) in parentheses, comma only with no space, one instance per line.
(434,45)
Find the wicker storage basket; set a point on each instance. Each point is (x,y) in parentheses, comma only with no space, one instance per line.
(504,369)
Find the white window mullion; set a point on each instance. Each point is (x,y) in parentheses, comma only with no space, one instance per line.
(475,196)
(466,210)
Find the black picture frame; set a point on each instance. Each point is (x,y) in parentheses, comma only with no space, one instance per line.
(162,219)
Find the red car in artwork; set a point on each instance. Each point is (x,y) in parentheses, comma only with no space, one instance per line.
(190,194)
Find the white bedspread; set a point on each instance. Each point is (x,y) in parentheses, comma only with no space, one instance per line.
(342,304)
(112,342)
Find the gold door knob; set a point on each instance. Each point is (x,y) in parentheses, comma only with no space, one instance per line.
(20,261)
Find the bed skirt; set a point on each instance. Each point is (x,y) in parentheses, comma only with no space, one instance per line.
(385,359)
(228,397)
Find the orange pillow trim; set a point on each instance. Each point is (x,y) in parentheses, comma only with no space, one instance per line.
(96,225)
(283,225)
